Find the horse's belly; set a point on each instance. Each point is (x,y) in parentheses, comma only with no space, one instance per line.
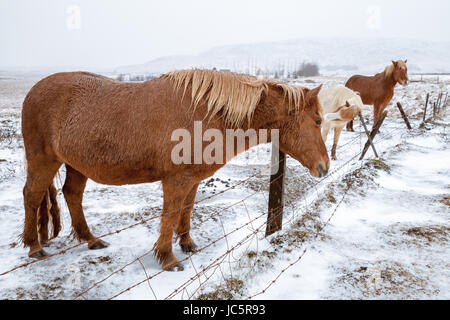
(338,123)
(115,175)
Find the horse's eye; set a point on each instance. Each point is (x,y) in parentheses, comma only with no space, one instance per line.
(318,122)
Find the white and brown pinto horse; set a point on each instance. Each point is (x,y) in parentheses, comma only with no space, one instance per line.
(340,105)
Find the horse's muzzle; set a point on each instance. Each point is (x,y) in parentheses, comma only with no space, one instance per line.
(322,171)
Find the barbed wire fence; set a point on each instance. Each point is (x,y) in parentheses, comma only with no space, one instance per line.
(253,229)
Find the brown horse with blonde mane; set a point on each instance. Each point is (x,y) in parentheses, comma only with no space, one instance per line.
(119,133)
(378,90)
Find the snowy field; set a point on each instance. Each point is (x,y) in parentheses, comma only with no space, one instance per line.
(372,229)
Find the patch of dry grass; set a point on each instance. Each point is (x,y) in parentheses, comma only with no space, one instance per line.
(230,289)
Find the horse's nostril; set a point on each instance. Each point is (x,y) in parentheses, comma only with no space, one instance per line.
(322,171)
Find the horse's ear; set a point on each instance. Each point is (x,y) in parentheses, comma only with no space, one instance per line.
(347,104)
(394,63)
(406,60)
(314,92)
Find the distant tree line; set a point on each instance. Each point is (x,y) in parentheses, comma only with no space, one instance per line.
(306,69)
(282,71)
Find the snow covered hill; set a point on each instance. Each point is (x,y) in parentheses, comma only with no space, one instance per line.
(334,56)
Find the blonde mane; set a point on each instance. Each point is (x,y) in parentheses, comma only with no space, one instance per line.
(388,71)
(236,95)
(390,68)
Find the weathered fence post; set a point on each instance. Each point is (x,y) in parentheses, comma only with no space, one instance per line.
(368,134)
(275,212)
(373,134)
(399,106)
(438,103)
(426,104)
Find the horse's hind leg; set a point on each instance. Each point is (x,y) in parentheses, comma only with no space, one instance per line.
(350,126)
(184,224)
(73,193)
(40,174)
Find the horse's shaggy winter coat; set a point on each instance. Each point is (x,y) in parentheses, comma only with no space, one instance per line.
(120,133)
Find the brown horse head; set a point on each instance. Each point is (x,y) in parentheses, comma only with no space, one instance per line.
(266,104)
(300,135)
(399,71)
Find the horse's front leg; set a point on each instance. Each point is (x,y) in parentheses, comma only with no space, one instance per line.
(377,111)
(325,130)
(175,192)
(184,224)
(337,133)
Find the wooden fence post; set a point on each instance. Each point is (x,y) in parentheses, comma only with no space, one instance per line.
(399,106)
(438,103)
(368,134)
(426,104)
(275,212)
(373,134)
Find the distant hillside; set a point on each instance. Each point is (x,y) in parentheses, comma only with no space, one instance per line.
(334,56)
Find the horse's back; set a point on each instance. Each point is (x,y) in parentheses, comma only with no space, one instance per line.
(57,101)
(363,85)
(59,86)
(103,128)
(356,82)
(333,98)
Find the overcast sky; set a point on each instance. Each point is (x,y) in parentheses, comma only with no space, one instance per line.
(109,33)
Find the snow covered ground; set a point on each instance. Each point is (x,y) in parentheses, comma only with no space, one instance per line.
(370,229)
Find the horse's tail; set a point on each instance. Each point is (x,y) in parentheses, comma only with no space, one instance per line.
(49,209)
(49,212)
(55,213)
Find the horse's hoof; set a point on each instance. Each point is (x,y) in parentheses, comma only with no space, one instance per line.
(177,266)
(333,158)
(45,243)
(98,244)
(188,247)
(38,254)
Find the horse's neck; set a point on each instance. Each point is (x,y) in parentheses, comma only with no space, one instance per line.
(388,83)
(266,114)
